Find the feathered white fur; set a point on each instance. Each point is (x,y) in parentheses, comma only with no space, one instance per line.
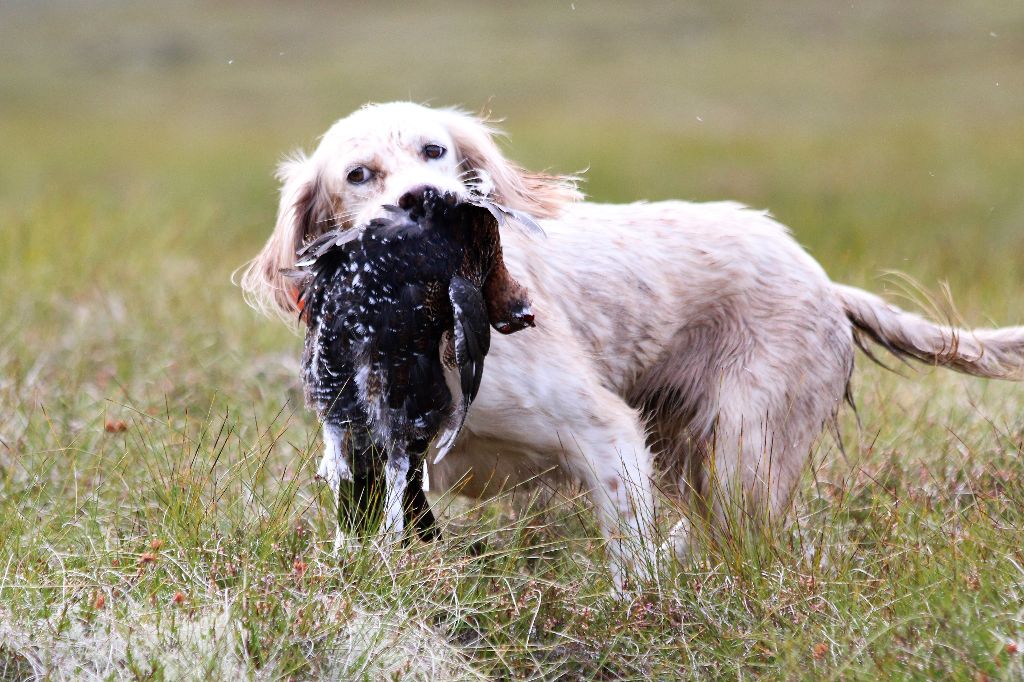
(700,335)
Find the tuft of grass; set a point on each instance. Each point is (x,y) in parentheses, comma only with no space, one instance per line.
(158,517)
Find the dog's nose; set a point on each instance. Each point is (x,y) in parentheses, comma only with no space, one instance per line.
(425,196)
(418,197)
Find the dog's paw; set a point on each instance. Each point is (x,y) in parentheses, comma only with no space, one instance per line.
(678,545)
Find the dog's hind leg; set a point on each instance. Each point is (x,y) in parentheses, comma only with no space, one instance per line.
(767,426)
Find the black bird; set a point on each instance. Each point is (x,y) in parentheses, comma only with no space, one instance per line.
(397,317)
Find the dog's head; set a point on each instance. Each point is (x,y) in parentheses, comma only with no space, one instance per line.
(389,154)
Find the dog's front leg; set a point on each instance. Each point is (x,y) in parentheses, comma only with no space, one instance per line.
(620,489)
(609,455)
(564,415)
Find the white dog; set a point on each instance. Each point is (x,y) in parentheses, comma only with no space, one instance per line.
(702,335)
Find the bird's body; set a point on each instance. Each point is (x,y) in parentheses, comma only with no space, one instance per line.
(397,326)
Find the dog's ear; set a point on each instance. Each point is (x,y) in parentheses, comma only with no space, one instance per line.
(539,194)
(305,211)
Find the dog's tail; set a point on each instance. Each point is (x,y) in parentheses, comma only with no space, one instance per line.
(993,353)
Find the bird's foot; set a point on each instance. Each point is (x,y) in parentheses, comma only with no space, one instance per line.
(333,469)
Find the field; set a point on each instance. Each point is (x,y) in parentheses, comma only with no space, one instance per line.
(158,514)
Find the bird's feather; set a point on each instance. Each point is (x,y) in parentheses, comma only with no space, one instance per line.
(505,215)
(472,334)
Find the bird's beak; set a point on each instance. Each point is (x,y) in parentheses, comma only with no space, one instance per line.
(521,319)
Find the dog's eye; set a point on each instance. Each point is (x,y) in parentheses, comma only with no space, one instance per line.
(434,151)
(359,175)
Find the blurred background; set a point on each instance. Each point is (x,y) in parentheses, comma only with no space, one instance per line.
(887,134)
(138,142)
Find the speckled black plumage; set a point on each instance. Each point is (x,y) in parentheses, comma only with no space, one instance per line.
(389,309)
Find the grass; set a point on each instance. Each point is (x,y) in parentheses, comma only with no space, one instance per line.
(158,518)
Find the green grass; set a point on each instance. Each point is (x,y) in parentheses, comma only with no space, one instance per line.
(137,145)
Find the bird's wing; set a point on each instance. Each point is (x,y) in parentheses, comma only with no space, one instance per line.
(472,334)
(471,339)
